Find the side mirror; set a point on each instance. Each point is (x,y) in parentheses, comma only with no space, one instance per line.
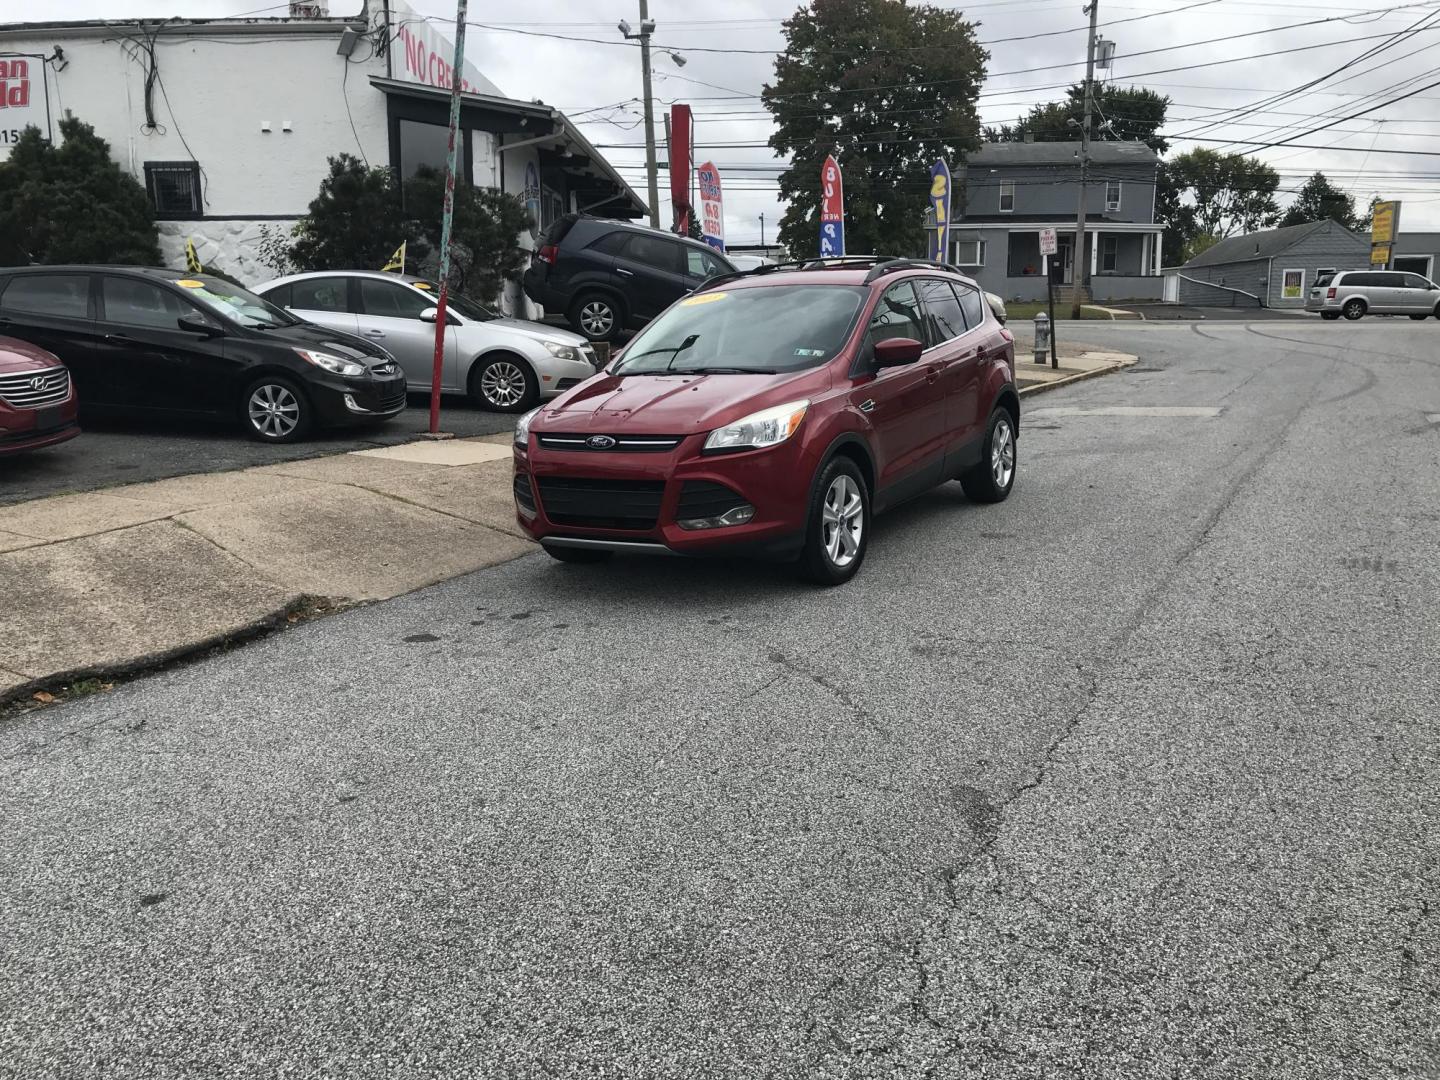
(431,314)
(895,352)
(196,325)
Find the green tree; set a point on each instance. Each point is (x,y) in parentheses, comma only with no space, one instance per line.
(888,88)
(72,203)
(361,215)
(1318,200)
(1127,113)
(1203,193)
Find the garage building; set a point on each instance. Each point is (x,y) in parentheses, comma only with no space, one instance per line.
(1272,269)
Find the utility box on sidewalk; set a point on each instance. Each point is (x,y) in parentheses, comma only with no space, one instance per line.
(1042,337)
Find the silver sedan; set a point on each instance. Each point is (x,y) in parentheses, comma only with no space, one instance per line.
(507,365)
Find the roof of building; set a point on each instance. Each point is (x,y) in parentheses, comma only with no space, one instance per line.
(995,154)
(1262,245)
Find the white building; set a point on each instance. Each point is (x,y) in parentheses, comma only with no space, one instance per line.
(229,122)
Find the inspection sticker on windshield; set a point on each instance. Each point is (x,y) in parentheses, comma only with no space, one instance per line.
(190,283)
(703,298)
(421,284)
(809,352)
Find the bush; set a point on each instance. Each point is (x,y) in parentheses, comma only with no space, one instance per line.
(72,203)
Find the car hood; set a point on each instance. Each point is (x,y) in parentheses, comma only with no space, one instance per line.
(673,404)
(17,356)
(320,338)
(535,331)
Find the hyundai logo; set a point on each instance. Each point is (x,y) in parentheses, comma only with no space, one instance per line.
(40,382)
(599,442)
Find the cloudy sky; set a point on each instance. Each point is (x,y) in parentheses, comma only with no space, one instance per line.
(1278,46)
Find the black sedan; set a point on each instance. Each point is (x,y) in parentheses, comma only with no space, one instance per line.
(151,341)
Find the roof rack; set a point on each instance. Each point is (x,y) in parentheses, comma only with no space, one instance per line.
(880,266)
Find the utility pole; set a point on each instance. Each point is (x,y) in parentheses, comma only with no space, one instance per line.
(1078,271)
(447,218)
(762,230)
(646,26)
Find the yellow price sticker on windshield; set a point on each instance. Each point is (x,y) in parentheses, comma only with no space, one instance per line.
(190,283)
(422,285)
(703,298)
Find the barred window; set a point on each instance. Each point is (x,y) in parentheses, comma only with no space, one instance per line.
(174,188)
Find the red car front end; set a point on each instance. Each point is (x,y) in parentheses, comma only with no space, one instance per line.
(38,407)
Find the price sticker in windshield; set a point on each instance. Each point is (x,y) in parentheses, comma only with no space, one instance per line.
(703,298)
(190,283)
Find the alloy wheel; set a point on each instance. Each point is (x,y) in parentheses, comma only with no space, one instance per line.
(842,517)
(597,318)
(274,410)
(502,384)
(1002,454)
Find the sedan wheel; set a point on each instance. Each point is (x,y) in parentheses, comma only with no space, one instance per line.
(276,411)
(504,384)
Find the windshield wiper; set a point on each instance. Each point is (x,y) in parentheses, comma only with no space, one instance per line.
(674,351)
(723,371)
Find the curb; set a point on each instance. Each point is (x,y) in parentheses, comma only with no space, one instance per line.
(1079,376)
(294,611)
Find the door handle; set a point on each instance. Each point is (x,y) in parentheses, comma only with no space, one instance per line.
(374,333)
(932,373)
(867,406)
(119,339)
(622,270)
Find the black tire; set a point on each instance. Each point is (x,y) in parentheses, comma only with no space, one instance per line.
(598,316)
(1419,318)
(274,409)
(993,478)
(504,382)
(823,559)
(576,555)
(1354,309)
(1329,316)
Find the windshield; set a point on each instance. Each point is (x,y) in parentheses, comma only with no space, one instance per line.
(235,303)
(767,328)
(455,302)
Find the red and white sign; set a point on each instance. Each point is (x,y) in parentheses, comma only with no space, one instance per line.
(1048,244)
(680,126)
(832,210)
(712,206)
(424,55)
(22,99)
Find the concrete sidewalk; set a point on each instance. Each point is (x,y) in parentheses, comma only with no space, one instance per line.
(105,582)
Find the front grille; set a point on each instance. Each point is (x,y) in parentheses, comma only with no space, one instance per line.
(601,504)
(705,499)
(524,493)
(623,444)
(22,392)
(394,401)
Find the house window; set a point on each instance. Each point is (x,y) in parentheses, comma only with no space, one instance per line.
(1292,284)
(970,253)
(174,188)
(1007,196)
(1112,195)
(1109,251)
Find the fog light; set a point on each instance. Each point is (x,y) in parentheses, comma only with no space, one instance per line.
(737,516)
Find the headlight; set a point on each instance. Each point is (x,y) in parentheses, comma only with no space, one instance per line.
(332,363)
(522,427)
(768,428)
(563,352)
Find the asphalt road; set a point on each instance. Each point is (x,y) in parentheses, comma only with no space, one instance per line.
(1133,775)
(115,451)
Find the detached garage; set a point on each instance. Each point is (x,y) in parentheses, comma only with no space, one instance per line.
(1270,269)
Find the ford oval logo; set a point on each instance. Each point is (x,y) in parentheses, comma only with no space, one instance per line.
(599,442)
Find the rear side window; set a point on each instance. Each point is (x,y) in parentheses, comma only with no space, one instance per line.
(611,243)
(319,294)
(655,251)
(66,295)
(392,301)
(131,302)
(973,305)
(1391,280)
(1323,280)
(942,311)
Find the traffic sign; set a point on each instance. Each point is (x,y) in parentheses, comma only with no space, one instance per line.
(1048,244)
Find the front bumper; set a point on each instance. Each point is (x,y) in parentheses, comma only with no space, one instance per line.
(33,429)
(635,501)
(556,375)
(339,401)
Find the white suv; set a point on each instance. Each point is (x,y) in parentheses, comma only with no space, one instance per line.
(1357,293)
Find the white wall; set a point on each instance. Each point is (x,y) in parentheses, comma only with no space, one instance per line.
(219,90)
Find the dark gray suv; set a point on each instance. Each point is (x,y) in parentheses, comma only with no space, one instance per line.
(1357,293)
(607,275)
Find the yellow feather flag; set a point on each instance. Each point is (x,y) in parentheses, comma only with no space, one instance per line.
(192,261)
(397,261)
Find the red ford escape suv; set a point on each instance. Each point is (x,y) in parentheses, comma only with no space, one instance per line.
(772,412)
(37,402)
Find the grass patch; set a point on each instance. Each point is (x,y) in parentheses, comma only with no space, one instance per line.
(1062,311)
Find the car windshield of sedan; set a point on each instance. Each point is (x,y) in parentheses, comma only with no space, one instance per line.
(455,302)
(236,303)
(767,328)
